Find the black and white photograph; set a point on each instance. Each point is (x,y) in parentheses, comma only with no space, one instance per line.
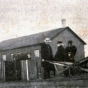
(43,44)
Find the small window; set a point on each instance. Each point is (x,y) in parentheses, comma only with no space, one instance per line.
(36,52)
(4,57)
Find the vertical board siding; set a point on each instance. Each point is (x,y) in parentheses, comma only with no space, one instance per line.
(34,62)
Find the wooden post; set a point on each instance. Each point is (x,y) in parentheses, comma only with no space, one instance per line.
(27,70)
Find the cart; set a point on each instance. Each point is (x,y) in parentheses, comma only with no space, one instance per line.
(73,69)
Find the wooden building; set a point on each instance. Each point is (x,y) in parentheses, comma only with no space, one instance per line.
(32,45)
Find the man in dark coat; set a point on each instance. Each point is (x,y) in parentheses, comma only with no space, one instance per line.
(60,54)
(46,54)
(71,51)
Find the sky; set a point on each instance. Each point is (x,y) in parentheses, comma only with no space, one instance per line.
(25,17)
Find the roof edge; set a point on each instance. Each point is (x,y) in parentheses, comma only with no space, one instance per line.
(76,35)
(72,32)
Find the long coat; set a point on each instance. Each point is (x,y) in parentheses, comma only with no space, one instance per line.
(72,51)
(46,54)
(60,54)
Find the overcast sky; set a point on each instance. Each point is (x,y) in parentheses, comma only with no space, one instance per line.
(24,17)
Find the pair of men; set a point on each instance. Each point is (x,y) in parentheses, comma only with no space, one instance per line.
(65,54)
(61,55)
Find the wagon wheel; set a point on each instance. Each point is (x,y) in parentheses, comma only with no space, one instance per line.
(74,70)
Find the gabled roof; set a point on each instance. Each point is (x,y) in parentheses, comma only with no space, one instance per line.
(33,39)
(76,35)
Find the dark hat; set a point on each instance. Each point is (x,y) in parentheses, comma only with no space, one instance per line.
(59,42)
(70,41)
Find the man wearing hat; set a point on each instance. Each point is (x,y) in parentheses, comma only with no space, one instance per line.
(71,51)
(60,54)
(46,54)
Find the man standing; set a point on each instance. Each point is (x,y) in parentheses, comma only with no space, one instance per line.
(46,54)
(71,51)
(60,54)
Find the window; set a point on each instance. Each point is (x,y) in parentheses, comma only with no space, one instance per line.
(36,53)
(4,57)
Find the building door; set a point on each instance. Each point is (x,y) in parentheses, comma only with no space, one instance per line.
(17,70)
(9,71)
(25,70)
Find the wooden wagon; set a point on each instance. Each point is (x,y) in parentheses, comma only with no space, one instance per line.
(73,69)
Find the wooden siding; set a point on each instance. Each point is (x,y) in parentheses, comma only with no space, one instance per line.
(65,36)
(35,61)
(22,50)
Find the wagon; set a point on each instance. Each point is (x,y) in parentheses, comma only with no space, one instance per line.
(72,69)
